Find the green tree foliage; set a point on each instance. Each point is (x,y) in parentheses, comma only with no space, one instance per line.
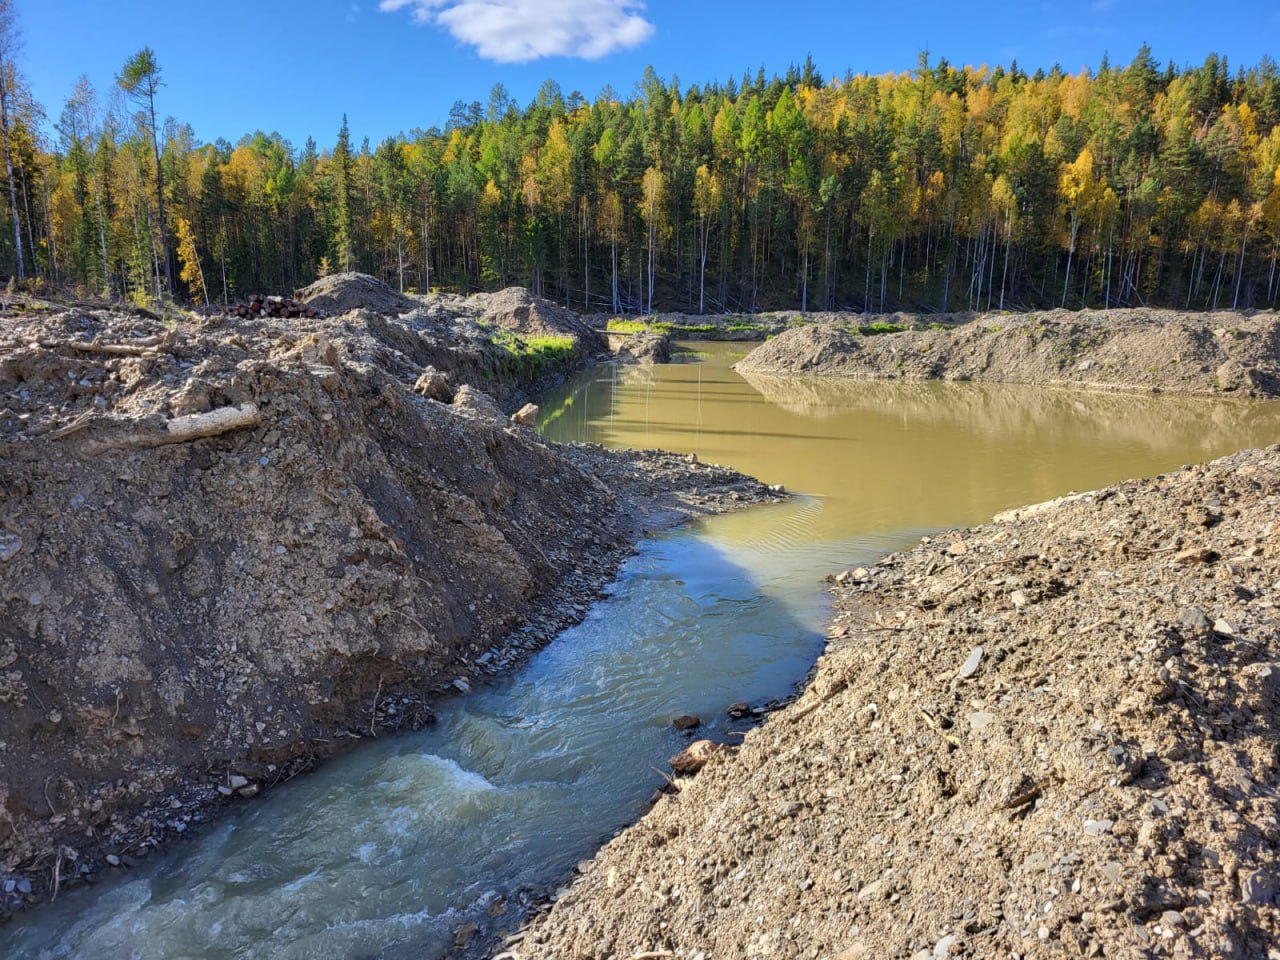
(940,188)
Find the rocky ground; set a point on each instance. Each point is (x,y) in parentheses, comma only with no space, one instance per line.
(1192,353)
(229,547)
(1054,735)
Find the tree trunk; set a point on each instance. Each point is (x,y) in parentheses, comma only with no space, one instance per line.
(164,228)
(1244,240)
(8,164)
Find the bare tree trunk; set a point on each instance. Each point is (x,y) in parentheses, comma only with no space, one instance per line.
(1071,252)
(164,227)
(8,162)
(1244,240)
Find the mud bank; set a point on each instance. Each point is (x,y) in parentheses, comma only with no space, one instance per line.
(1151,350)
(1053,735)
(231,547)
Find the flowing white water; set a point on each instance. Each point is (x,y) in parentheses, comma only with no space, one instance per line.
(384,852)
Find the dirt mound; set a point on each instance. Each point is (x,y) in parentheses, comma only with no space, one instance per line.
(1202,354)
(1050,736)
(228,549)
(517,310)
(644,349)
(344,292)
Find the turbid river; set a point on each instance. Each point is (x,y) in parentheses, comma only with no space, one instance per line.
(386,851)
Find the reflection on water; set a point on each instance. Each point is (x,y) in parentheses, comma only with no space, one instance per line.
(891,457)
(384,852)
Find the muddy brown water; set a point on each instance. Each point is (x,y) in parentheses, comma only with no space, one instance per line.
(386,851)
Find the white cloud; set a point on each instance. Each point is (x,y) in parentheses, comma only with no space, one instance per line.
(517,31)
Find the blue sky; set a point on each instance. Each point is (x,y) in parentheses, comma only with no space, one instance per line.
(235,66)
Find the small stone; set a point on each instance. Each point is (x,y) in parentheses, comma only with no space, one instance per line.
(225,790)
(1096,828)
(695,757)
(980,720)
(737,711)
(958,549)
(281,550)
(24,886)
(1195,620)
(942,948)
(434,385)
(1223,628)
(1019,599)
(10,544)
(526,416)
(686,722)
(113,860)
(1043,933)
(10,885)
(872,891)
(970,666)
(1258,889)
(1194,555)
(461,685)
(263,461)
(250,791)
(236,782)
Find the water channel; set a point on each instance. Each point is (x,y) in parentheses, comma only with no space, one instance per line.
(385,851)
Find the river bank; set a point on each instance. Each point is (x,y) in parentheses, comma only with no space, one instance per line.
(1050,735)
(230,547)
(1204,354)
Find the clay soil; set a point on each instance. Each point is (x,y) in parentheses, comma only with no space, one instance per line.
(1054,735)
(1152,350)
(231,547)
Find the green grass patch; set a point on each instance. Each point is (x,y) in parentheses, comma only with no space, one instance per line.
(533,355)
(872,329)
(618,325)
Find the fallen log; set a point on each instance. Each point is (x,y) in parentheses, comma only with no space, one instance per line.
(197,426)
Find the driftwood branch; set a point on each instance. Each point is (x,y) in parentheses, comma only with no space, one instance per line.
(142,347)
(197,426)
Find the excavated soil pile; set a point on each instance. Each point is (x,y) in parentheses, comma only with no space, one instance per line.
(344,292)
(487,338)
(1204,354)
(1051,736)
(227,549)
(516,310)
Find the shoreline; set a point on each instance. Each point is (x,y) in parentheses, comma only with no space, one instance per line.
(1072,704)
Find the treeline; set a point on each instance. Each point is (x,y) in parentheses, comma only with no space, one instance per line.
(940,188)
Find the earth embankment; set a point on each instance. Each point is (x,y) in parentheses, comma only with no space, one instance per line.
(1053,735)
(228,547)
(1191,353)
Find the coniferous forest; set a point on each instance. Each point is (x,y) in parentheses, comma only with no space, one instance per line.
(939,188)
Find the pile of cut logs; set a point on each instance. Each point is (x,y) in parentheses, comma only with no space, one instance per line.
(260,306)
